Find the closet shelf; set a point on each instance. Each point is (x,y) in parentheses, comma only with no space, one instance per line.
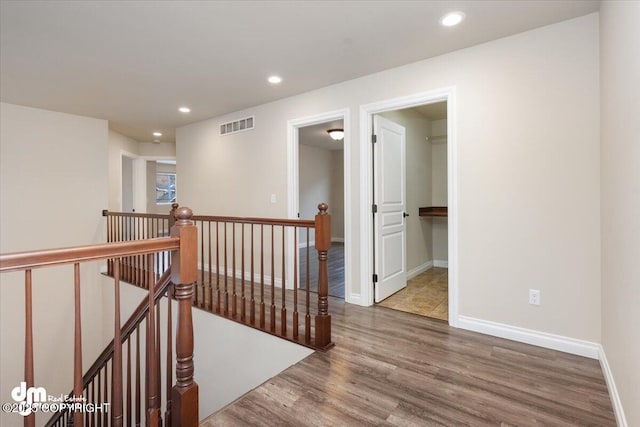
(434,211)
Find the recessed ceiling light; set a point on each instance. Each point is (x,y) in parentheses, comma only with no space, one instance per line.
(157,134)
(452,18)
(184,109)
(274,80)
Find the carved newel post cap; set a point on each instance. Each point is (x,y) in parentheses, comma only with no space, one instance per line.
(322,207)
(184,214)
(174,206)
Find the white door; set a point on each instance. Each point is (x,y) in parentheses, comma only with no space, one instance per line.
(390,200)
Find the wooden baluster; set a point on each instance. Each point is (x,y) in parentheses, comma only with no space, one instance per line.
(184,270)
(77,344)
(262,307)
(158,361)
(242,299)
(138,373)
(217,267)
(109,239)
(29,420)
(210,269)
(93,400)
(226,292)
(283,310)
(272,311)
(295,284)
(99,401)
(169,366)
(116,371)
(105,414)
(252,309)
(234,310)
(323,243)
(129,400)
(307,317)
(201,284)
(153,399)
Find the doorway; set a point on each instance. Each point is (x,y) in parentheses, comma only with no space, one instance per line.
(316,173)
(422,217)
(412,185)
(127,184)
(321,179)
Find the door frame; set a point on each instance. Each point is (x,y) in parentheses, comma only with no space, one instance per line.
(367,112)
(293,180)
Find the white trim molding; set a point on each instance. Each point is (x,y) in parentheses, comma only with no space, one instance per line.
(419,270)
(530,336)
(293,183)
(440,263)
(367,112)
(618,411)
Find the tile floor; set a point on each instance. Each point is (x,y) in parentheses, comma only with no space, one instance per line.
(425,294)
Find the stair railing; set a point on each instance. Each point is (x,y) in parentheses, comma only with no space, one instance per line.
(256,271)
(182,407)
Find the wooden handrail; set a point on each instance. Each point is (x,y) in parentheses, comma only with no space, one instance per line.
(106,212)
(43,258)
(265,221)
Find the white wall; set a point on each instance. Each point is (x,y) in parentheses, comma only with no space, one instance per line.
(418,185)
(53,187)
(118,144)
(527,218)
(620,192)
(315,179)
(336,198)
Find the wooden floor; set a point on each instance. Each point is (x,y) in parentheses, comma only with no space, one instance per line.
(395,368)
(335,269)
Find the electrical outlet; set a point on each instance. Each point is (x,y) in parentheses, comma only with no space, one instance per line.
(534,297)
(273,198)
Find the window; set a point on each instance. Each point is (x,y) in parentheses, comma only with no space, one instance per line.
(165,187)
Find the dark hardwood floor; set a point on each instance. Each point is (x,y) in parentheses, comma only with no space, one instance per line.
(394,368)
(335,268)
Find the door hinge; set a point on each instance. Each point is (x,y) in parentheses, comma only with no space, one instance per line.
(375,278)
(374,208)
(374,138)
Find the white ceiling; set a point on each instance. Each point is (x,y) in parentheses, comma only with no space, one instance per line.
(317,136)
(134,63)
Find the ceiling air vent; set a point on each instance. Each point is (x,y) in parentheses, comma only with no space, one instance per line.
(237,126)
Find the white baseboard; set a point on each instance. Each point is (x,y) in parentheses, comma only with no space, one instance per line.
(247,276)
(529,336)
(440,263)
(621,420)
(354,299)
(337,240)
(419,269)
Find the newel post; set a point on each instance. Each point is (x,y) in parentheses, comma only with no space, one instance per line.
(184,272)
(323,243)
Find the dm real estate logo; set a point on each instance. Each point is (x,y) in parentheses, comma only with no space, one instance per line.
(28,398)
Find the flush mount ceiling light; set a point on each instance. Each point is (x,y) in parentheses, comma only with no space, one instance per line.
(157,134)
(336,134)
(184,109)
(274,80)
(451,19)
